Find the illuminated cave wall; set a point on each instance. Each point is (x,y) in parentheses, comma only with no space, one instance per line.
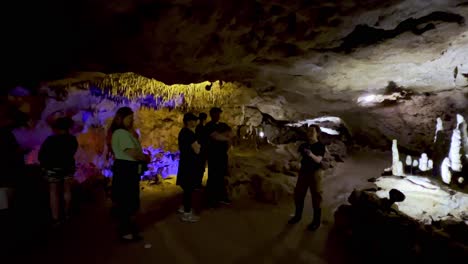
(158,120)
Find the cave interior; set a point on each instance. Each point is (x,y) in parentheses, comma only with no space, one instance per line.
(385,81)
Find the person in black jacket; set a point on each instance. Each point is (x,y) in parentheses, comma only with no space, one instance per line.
(189,162)
(57,160)
(310,177)
(218,136)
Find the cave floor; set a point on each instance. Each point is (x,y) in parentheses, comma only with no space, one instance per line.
(246,232)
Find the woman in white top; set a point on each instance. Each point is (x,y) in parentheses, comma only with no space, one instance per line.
(129,165)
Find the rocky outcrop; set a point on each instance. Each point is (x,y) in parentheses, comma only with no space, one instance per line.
(377,231)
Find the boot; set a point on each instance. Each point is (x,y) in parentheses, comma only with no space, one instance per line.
(317,219)
(298,215)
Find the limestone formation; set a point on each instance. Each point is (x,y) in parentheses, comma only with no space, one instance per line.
(439,127)
(423,162)
(445,171)
(395,158)
(454,154)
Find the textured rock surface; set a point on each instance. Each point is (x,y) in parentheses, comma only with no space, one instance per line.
(305,58)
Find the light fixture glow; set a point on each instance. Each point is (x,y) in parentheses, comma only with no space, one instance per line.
(261,134)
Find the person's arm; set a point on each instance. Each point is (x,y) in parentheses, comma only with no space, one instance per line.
(42,156)
(219,137)
(195,147)
(320,153)
(316,158)
(137,154)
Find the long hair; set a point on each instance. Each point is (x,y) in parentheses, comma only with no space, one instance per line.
(117,123)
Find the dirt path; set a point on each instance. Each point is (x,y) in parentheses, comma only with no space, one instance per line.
(247,232)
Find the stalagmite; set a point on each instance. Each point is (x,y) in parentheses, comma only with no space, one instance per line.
(423,162)
(409,160)
(399,169)
(454,154)
(463,127)
(408,164)
(445,171)
(395,157)
(439,127)
(430,164)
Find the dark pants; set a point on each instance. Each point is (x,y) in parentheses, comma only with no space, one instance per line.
(187,199)
(217,170)
(126,194)
(308,180)
(201,169)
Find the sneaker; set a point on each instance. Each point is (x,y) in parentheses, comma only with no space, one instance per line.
(181,210)
(131,238)
(56,224)
(190,218)
(226,202)
(294,220)
(313,226)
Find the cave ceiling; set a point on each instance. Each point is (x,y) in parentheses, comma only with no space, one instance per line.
(331,50)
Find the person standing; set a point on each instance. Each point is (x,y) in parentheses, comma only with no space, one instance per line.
(310,177)
(129,165)
(57,158)
(189,162)
(11,154)
(217,136)
(199,130)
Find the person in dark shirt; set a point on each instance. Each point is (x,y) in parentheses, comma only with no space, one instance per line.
(310,177)
(187,175)
(56,157)
(199,130)
(217,136)
(11,153)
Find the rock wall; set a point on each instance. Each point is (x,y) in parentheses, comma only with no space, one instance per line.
(411,122)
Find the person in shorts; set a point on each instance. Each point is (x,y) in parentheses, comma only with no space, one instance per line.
(56,157)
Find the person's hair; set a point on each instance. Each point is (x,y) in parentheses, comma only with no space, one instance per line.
(117,122)
(202,116)
(215,110)
(63,123)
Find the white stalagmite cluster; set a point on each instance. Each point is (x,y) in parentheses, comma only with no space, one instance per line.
(397,165)
(423,162)
(452,163)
